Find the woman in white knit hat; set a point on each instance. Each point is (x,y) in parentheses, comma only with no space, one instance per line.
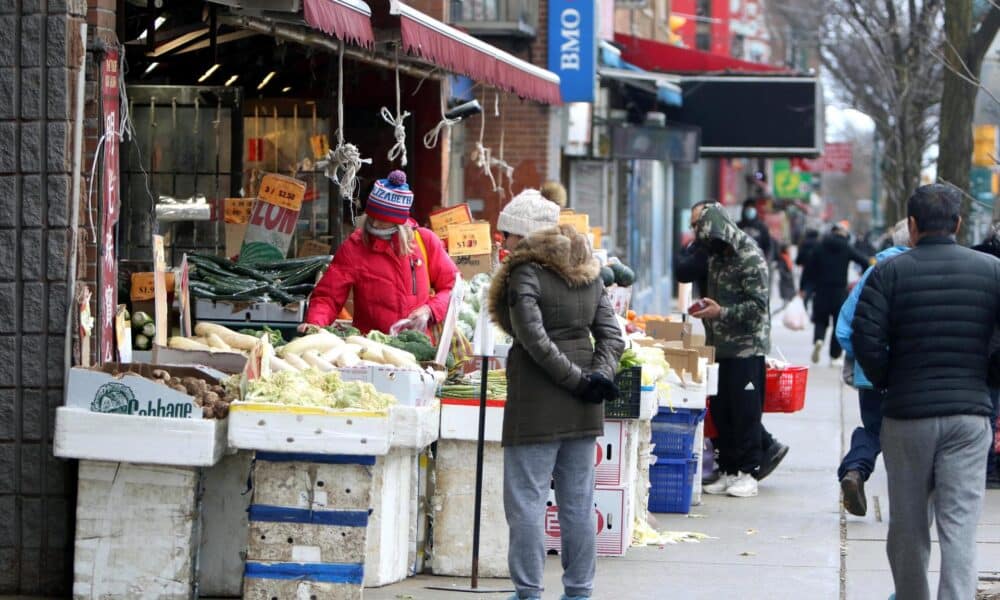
(548,295)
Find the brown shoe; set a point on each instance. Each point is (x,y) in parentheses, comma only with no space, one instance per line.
(853,488)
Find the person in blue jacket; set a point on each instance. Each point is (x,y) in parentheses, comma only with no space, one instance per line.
(858,464)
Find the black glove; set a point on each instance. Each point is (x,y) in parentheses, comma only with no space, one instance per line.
(596,388)
(607,388)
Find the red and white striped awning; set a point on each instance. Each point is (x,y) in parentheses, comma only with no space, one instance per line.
(463,54)
(346,20)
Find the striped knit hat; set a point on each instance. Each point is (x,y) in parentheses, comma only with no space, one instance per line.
(390,199)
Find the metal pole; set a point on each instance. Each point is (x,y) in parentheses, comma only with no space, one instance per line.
(479,472)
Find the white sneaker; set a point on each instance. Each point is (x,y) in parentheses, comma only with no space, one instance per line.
(720,486)
(817,348)
(837,363)
(743,485)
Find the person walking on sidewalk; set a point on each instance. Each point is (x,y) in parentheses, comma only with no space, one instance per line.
(859,462)
(548,295)
(737,322)
(826,277)
(922,333)
(991,245)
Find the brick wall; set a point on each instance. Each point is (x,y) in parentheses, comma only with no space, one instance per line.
(527,131)
(39,45)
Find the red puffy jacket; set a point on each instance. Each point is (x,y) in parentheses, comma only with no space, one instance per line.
(387,287)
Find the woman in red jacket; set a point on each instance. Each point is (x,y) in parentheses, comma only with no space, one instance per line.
(401,274)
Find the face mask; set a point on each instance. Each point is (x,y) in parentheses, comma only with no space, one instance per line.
(750,214)
(382,234)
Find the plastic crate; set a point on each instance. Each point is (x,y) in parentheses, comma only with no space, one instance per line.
(673,432)
(785,389)
(670,483)
(629,401)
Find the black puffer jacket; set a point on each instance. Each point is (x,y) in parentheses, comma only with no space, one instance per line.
(922,329)
(828,262)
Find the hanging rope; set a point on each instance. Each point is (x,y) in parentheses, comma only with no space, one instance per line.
(482,155)
(431,138)
(398,150)
(343,162)
(503,168)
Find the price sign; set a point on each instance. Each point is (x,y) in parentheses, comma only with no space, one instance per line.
(453,215)
(143,287)
(237,210)
(598,233)
(282,191)
(580,221)
(469,239)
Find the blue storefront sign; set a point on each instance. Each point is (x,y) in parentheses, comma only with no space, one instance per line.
(573,48)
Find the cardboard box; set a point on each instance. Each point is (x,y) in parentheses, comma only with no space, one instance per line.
(472,265)
(227,362)
(686,360)
(616,453)
(669,331)
(615,524)
(129,389)
(706,352)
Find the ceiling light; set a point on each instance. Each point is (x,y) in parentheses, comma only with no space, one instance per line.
(209,72)
(232,80)
(156,25)
(150,68)
(286,89)
(266,80)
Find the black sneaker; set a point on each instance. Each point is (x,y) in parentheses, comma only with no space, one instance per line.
(853,488)
(771,459)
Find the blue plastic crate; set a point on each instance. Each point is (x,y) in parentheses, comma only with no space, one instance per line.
(673,432)
(671,481)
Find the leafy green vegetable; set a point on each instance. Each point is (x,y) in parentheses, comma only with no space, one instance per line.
(342,330)
(628,360)
(377,336)
(274,336)
(313,388)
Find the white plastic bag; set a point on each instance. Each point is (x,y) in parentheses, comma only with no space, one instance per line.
(795,317)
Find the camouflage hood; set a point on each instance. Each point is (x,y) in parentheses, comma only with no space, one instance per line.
(716,224)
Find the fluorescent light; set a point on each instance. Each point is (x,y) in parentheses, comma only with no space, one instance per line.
(209,72)
(232,80)
(156,25)
(150,68)
(266,80)
(286,89)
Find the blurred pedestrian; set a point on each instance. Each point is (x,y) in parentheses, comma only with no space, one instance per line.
(735,309)
(825,277)
(786,276)
(549,296)
(859,462)
(807,245)
(751,224)
(991,245)
(922,332)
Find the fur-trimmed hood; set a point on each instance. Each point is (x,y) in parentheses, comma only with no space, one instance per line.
(560,249)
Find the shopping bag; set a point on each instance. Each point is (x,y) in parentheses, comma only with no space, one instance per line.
(795,317)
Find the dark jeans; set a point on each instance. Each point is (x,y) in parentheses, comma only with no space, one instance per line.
(826,309)
(991,459)
(865,444)
(736,412)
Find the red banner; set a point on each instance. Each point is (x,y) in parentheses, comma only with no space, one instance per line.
(837,157)
(110,205)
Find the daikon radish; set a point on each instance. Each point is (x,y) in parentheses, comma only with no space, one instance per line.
(278,365)
(182,343)
(332,355)
(347,360)
(216,342)
(234,339)
(321,342)
(399,358)
(296,361)
(313,358)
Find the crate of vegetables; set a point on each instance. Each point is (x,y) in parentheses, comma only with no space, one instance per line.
(144,414)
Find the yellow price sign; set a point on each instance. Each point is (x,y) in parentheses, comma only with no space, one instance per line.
(787,184)
(469,239)
(237,210)
(579,221)
(282,191)
(454,215)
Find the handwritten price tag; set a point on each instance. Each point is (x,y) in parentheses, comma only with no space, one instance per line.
(282,191)
(469,239)
(237,210)
(580,221)
(454,215)
(143,287)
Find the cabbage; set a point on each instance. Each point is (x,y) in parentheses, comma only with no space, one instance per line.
(314,388)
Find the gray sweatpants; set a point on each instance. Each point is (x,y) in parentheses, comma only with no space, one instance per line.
(528,470)
(946,457)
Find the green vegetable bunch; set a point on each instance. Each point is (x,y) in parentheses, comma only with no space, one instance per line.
(628,360)
(415,342)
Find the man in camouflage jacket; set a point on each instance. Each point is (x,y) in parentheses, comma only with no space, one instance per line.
(737,320)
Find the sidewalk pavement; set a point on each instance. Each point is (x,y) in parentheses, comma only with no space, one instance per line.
(792,541)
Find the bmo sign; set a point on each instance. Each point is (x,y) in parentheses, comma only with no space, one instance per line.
(573,48)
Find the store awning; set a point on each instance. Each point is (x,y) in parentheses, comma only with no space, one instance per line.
(346,20)
(460,53)
(657,56)
(664,87)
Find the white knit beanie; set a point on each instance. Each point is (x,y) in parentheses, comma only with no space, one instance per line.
(527,213)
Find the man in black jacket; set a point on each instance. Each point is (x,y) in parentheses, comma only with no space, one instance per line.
(922,333)
(825,277)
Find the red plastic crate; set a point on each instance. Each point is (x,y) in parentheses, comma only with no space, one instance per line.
(785,390)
